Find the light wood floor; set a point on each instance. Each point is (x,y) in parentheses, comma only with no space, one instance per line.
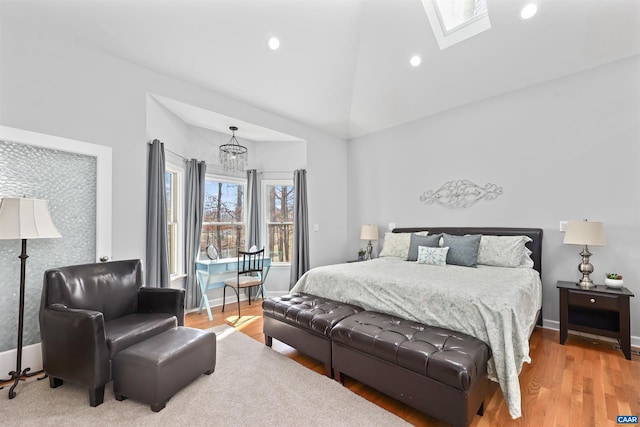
(583,383)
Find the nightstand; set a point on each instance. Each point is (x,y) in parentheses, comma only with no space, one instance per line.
(599,311)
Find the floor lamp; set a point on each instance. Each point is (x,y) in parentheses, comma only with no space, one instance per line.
(24,219)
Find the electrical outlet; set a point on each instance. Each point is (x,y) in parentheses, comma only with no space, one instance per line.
(563,226)
(392,225)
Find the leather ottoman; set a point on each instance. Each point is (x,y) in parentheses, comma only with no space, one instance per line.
(435,370)
(304,322)
(157,368)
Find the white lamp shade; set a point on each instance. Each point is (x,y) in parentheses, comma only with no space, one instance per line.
(22,218)
(585,233)
(369,232)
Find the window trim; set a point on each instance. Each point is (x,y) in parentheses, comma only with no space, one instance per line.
(264,222)
(178,191)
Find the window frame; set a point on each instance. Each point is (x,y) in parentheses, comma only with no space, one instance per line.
(229,180)
(265,214)
(178,208)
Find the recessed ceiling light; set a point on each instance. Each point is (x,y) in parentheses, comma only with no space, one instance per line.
(273,43)
(528,11)
(415,60)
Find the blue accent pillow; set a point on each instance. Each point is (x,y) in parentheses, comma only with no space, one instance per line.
(431,241)
(463,250)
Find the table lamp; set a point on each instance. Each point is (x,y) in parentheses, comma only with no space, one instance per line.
(585,233)
(369,232)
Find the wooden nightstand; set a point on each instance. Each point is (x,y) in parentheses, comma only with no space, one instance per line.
(599,311)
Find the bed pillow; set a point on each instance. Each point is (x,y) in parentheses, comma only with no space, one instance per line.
(396,244)
(432,256)
(463,250)
(526,258)
(417,240)
(504,251)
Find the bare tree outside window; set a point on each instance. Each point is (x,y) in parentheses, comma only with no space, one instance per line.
(223,219)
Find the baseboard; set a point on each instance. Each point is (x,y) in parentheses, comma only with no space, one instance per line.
(231,300)
(554,325)
(31,358)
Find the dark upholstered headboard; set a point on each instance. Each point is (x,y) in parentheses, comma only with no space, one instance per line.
(534,233)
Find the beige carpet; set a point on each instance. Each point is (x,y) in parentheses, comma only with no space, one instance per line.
(252,386)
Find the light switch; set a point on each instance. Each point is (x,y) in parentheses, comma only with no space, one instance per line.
(563,226)
(316,227)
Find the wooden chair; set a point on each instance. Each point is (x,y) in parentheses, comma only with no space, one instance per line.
(249,275)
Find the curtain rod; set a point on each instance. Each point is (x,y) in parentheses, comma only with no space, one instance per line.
(218,166)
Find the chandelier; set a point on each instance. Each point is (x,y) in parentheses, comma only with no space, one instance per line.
(233,156)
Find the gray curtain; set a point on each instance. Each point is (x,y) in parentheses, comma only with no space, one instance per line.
(194,210)
(157,265)
(300,256)
(253,225)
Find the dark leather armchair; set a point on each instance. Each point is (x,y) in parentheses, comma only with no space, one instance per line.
(90,312)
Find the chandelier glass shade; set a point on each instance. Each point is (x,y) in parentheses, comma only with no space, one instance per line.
(233,156)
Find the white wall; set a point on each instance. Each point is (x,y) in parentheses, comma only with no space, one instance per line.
(564,150)
(56,87)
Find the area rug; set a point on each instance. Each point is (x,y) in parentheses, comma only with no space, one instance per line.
(252,385)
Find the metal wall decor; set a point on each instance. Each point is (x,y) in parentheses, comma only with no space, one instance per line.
(460,194)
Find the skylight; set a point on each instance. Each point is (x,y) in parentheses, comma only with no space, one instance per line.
(453,21)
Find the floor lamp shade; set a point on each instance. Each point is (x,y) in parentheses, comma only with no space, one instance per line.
(25,219)
(22,218)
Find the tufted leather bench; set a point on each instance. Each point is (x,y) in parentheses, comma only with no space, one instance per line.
(437,371)
(304,322)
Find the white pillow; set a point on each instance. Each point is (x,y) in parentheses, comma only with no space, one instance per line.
(432,256)
(396,244)
(504,251)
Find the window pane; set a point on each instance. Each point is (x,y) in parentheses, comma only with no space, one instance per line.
(172,238)
(168,186)
(280,203)
(280,242)
(171,234)
(280,222)
(223,204)
(226,238)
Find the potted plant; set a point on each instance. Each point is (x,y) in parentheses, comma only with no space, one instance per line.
(361,254)
(613,280)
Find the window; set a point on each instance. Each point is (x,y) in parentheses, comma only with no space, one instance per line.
(278,210)
(453,21)
(223,220)
(174,234)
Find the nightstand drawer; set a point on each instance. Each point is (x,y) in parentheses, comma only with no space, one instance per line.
(593,300)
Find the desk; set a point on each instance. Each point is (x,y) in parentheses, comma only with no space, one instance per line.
(209,270)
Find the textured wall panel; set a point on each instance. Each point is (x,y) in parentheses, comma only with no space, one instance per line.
(68,182)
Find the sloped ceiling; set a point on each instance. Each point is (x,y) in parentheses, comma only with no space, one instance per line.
(343,66)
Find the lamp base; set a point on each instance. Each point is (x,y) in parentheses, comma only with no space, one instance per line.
(586,268)
(369,254)
(586,283)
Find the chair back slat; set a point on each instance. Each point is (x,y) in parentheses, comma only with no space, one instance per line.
(250,262)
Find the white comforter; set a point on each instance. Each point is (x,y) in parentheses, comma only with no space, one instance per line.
(495,304)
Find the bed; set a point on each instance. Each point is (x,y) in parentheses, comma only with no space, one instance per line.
(498,304)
